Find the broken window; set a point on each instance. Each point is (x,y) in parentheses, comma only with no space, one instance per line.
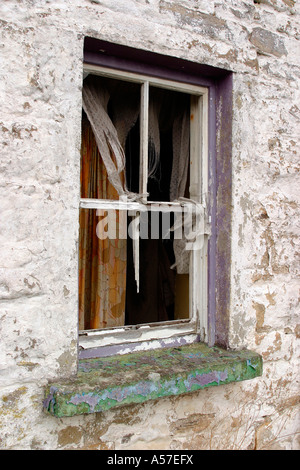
(143,218)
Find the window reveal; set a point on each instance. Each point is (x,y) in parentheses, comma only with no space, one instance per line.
(135,143)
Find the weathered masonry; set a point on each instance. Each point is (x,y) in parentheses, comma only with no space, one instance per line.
(149,284)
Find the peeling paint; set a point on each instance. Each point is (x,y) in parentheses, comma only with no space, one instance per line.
(148,376)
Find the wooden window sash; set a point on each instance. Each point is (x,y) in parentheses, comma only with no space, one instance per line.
(140,78)
(197,323)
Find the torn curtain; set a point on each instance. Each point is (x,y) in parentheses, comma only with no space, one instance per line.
(103,262)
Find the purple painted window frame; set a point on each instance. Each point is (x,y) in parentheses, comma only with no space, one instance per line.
(219,83)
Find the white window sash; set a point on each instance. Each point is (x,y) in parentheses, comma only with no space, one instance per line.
(197,324)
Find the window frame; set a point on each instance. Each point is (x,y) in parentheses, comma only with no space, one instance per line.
(144,336)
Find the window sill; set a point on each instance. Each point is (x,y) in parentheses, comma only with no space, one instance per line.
(110,382)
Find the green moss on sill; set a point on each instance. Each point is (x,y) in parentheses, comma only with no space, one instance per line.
(115,381)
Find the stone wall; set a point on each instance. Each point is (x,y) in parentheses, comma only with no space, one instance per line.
(40,91)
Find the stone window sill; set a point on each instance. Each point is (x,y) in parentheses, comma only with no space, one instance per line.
(110,382)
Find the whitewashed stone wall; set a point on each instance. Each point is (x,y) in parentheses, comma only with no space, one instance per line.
(41,51)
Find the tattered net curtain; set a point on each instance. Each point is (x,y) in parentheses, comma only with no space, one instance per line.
(103,262)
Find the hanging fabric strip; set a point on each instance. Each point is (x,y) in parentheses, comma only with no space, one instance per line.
(181,153)
(125,109)
(189,229)
(95,100)
(181,156)
(154,134)
(136,249)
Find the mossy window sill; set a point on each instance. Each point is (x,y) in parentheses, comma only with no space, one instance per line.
(110,382)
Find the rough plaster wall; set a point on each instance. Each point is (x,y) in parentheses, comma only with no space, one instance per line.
(40,92)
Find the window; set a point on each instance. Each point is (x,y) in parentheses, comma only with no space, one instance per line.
(144,220)
(136,289)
